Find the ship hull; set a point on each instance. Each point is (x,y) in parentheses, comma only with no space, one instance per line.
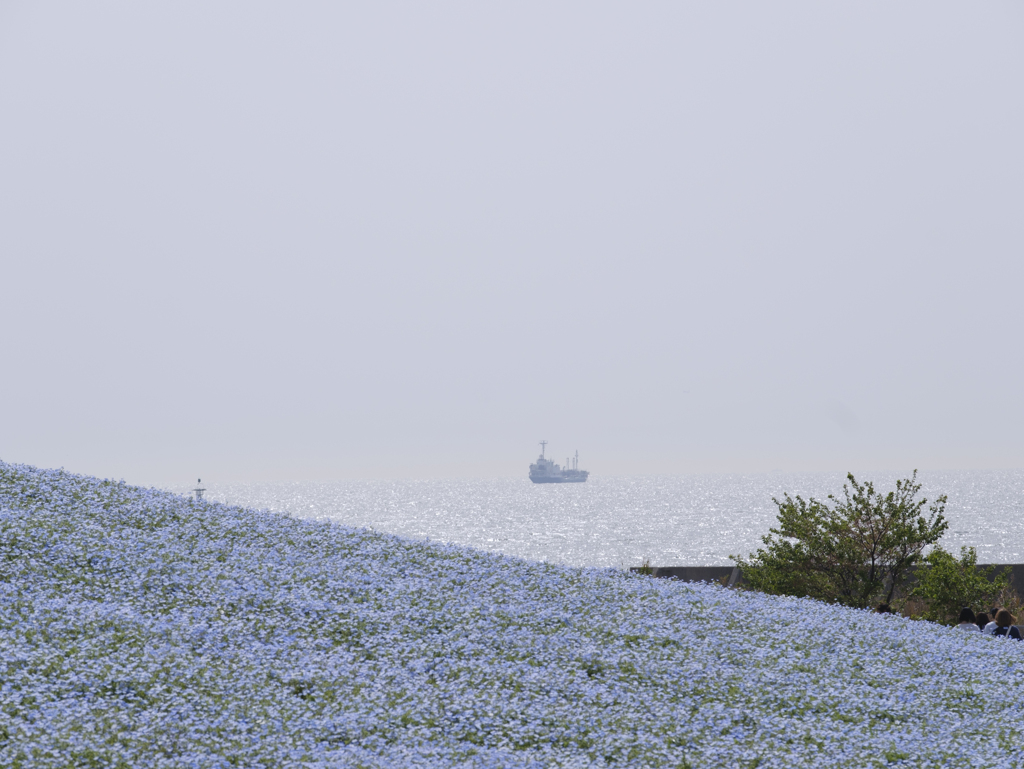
(558,480)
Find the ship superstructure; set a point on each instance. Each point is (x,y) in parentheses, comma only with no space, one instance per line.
(545,470)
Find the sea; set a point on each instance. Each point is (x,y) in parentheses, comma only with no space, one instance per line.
(663,520)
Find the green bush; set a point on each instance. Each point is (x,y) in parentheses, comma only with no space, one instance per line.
(947,584)
(857,551)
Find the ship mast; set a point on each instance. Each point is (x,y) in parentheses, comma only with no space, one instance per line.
(542,445)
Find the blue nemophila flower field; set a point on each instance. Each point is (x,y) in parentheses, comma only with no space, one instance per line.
(139,628)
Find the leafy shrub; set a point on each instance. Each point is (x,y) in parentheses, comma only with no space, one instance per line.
(947,584)
(857,551)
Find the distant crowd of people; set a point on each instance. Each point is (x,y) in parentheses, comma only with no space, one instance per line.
(1002,623)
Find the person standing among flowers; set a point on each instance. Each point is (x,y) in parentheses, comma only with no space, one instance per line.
(968,621)
(1005,626)
(990,628)
(981,620)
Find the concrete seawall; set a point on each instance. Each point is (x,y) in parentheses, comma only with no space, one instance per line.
(725,575)
(730,575)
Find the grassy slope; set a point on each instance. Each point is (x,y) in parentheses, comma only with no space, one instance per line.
(138,627)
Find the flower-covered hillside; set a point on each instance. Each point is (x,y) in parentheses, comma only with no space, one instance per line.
(139,628)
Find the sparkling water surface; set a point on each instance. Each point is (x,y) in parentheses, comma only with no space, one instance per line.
(690,520)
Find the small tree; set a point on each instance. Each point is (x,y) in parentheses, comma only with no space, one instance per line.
(948,584)
(856,551)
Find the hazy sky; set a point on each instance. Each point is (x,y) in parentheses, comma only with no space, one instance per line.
(324,240)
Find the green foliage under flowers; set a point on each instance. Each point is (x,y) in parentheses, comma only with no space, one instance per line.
(947,584)
(856,551)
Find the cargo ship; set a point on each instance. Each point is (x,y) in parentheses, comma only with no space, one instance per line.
(546,471)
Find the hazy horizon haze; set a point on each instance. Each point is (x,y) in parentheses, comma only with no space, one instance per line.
(318,241)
